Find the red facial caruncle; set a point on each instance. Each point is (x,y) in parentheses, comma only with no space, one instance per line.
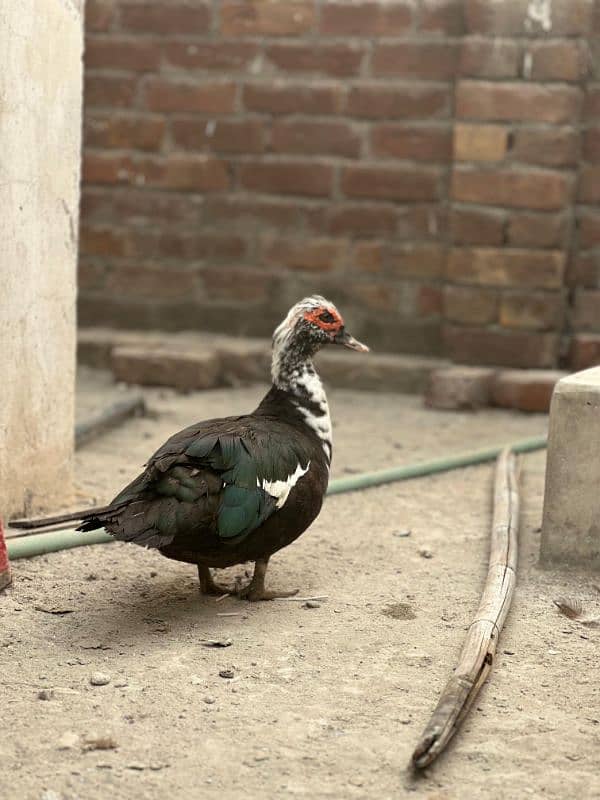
(328,319)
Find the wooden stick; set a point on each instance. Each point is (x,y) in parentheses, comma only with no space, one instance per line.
(478,651)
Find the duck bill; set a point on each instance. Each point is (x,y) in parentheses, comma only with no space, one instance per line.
(346,340)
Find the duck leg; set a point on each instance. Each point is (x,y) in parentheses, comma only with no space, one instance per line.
(207,583)
(256,588)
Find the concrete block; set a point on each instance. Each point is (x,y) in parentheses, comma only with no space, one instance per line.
(186,371)
(459,387)
(571,521)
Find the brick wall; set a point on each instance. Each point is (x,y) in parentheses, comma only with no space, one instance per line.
(428,164)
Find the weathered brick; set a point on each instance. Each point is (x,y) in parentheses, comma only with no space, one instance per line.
(247,211)
(368,256)
(459,388)
(500,347)
(422,222)
(390,183)
(310,179)
(365,18)
(418,261)
(201,173)
(293,98)
(429,301)
(137,206)
(120,53)
(91,277)
(435,61)
(330,59)
(162,94)
(586,310)
(588,228)
(479,142)
(487,266)
(411,142)
(591,102)
(532,310)
(103,91)
(373,101)
(537,230)
(489,58)
(335,138)
(522,18)
(470,306)
(525,389)
(312,255)
(591,145)
(189,371)
(148,280)
(556,147)
(166,19)
(517,102)
(220,136)
(130,132)
(559,61)
(359,220)
(230,56)
(102,241)
(378,296)
(584,351)
(589,185)
(441,16)
(99,15)
(237,283)
(271,18)
(477,226)
(545,191)
(584,270)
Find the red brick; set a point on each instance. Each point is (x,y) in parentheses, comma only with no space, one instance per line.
(211,55)
(545,191)
(378,296)
(470,306)
(219,136)
(384,102)
(557,147)
(166,18)
(502,348)
(591,145)
(102,241)
(418,261)
(237,283)
(486,266)
(586,310)
(559,61)
(532,310)
(567,18)
(91,276)
(336,138)
(435,61)
(293,99)
(442,16)
(584,351)
(109,91)
(517,102)
(120,53)
(145,243)
(422,222)
(537,230)
(589,185)
(588,227)
(474,142)
(138,206)
(489,58)
(525,390)
(200,173)
(148,280)
(311,255)
(454,388)
(365,18)
(368,256)
(475,226)
(162,94)
(390,183)
(330,59)
(584,270)
(359,220)
(270,18)
(591,103)
(429,301)
(99,15)
(246,211)
(411,142)
(310,179)
(133,131)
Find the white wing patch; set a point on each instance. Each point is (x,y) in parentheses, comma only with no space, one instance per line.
(281,489)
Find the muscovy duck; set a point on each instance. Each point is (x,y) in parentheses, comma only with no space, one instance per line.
(227,491)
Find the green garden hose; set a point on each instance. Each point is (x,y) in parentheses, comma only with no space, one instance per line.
(42,543)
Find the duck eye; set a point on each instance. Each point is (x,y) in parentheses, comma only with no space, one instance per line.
(326,316)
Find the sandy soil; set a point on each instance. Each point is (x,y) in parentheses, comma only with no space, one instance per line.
(325,702)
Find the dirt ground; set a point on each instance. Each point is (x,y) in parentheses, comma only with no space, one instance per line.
(324,702)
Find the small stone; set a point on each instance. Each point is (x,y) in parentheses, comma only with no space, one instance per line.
(120,684)
(99,679)
(195,680)
(217,642)
(312,604)
(209,700)
(153,574)
(402,534)
(508,652)
(425,553)
(68,741)
(45,694)
(227,673)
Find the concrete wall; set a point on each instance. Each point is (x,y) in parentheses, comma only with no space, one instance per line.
(40,119)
